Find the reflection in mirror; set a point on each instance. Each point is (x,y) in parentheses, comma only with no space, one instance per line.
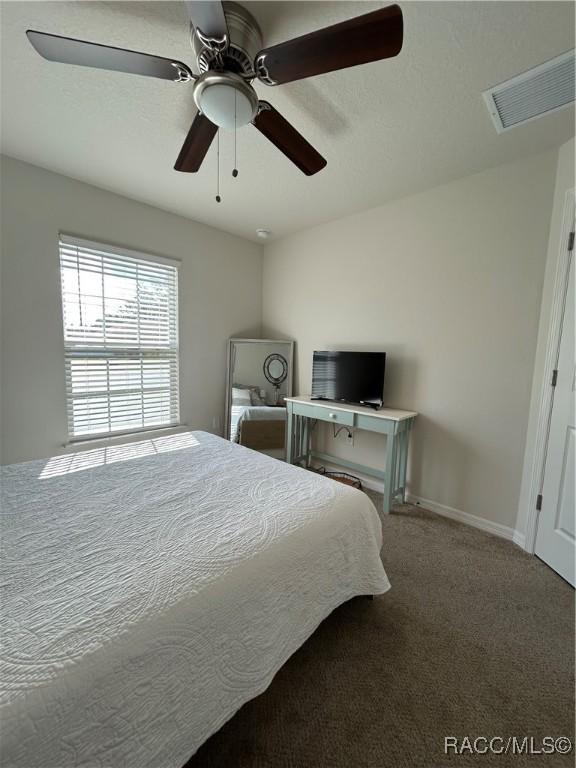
(276,371)
(259,378)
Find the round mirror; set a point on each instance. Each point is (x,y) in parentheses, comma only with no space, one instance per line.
(275,368)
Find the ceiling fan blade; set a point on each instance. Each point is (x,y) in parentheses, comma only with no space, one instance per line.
(196,145)
(208,17)
(374,36)
(283,135)
(67,50)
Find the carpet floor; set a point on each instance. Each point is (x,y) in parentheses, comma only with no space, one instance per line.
(475,638)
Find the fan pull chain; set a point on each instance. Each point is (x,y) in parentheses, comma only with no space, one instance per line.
(218,198)
(235,170)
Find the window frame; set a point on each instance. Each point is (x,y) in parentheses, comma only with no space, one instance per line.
(65,239)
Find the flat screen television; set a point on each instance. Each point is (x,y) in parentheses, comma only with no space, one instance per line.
(350,377)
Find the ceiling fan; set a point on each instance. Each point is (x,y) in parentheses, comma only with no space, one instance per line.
(228,47)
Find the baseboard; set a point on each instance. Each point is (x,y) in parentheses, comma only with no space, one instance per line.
(465,517)
(519,539)
(372,484)
(497,529)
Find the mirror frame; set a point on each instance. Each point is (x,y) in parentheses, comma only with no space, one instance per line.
(289,378)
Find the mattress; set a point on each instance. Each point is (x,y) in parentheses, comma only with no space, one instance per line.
(239,413)
(150,590)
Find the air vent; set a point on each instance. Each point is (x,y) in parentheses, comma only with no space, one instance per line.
(539,91)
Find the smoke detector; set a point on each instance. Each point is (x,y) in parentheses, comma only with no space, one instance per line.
(535,93)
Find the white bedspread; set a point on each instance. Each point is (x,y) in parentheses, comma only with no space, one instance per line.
(148,591)
(239,413)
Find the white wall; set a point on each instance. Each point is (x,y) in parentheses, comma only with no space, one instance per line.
(448,283)
(565,180)
(220,296)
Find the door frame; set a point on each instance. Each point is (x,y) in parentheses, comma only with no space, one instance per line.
(546,397)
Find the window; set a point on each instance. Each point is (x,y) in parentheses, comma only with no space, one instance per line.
(120,339)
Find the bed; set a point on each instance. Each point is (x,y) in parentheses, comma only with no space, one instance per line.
(262,428)
(150,590)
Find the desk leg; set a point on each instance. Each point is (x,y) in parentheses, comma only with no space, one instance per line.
(289,436)
(391,447)
(403,463)
(298,439)
(306,442)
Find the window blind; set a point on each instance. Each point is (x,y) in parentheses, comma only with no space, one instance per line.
(120,339)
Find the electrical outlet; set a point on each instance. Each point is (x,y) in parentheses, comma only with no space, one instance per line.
(349,437)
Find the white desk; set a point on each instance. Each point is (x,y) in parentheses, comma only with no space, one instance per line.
(395,424)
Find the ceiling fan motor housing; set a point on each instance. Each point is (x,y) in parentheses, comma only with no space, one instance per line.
(244,42)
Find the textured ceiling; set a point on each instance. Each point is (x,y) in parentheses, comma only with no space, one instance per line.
(387,129)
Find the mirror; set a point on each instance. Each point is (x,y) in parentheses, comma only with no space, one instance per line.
(259,378)
(275,368)
(276,371)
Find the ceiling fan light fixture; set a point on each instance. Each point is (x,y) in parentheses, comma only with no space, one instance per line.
(226,99)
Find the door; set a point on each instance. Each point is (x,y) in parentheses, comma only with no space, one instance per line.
(555,538)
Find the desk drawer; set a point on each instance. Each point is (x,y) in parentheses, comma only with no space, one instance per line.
(323,413)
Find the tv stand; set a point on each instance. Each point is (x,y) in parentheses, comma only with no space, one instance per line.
(395,424)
